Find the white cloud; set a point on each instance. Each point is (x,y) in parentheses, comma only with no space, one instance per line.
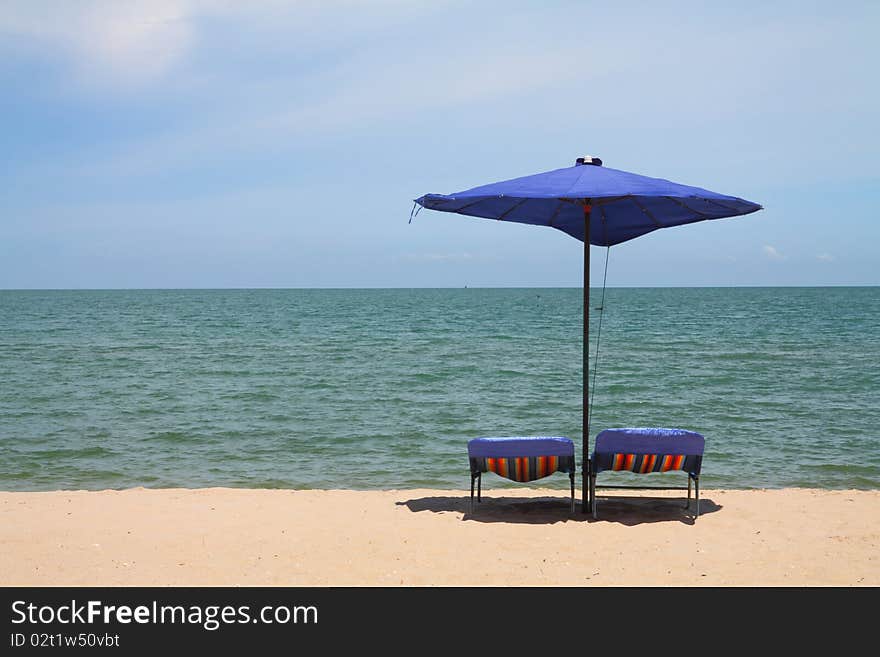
(105,41)
(772,252)
(143,39)
(373,85)
(130,42)
(263,73)
(431,79)
(825,257)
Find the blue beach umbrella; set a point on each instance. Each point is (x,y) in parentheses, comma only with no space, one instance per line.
(596,205)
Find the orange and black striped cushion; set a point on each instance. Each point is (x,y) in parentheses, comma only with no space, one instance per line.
(524,468)
(645,463)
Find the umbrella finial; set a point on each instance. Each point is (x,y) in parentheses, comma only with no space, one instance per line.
(588,159)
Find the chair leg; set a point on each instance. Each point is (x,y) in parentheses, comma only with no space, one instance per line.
(588,489)
(479,485)
(688,503)
(585,486)
(593,496)
(571,479)
(472,492)
(586,498)
(697,488)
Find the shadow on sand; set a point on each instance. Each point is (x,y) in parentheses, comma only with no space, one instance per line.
(635,510)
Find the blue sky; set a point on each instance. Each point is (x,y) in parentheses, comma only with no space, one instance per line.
(196,143)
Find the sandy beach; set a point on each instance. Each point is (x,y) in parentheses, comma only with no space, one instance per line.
(525,537)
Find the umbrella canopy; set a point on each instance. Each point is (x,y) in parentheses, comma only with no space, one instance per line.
(624,205)
(597,205)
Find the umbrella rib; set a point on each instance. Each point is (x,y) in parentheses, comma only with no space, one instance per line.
(555,213)
(607,200)
(480,200)
(512,208)
(604,236)
(465,207)
(687,207)
(645,210)
(721,205)
(702,214)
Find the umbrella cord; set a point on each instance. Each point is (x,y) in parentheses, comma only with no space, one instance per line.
(416,208)
(598,338)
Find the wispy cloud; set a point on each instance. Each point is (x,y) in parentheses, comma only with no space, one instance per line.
(772,252)
(441,257)
(122,43)
(373,85)
(825,257)
(117,44)
(345,70)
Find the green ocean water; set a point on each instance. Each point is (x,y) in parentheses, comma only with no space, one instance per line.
(371,389)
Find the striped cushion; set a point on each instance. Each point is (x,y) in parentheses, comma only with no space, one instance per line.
(523,468)
(645,450)
(645,463)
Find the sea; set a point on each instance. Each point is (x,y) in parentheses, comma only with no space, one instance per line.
(383,388)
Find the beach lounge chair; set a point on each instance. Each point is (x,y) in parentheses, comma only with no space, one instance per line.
(647,450)
(523,458)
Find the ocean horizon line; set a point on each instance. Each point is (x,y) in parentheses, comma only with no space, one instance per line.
(558,286)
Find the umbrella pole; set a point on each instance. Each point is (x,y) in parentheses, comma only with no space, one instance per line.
(585,417)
